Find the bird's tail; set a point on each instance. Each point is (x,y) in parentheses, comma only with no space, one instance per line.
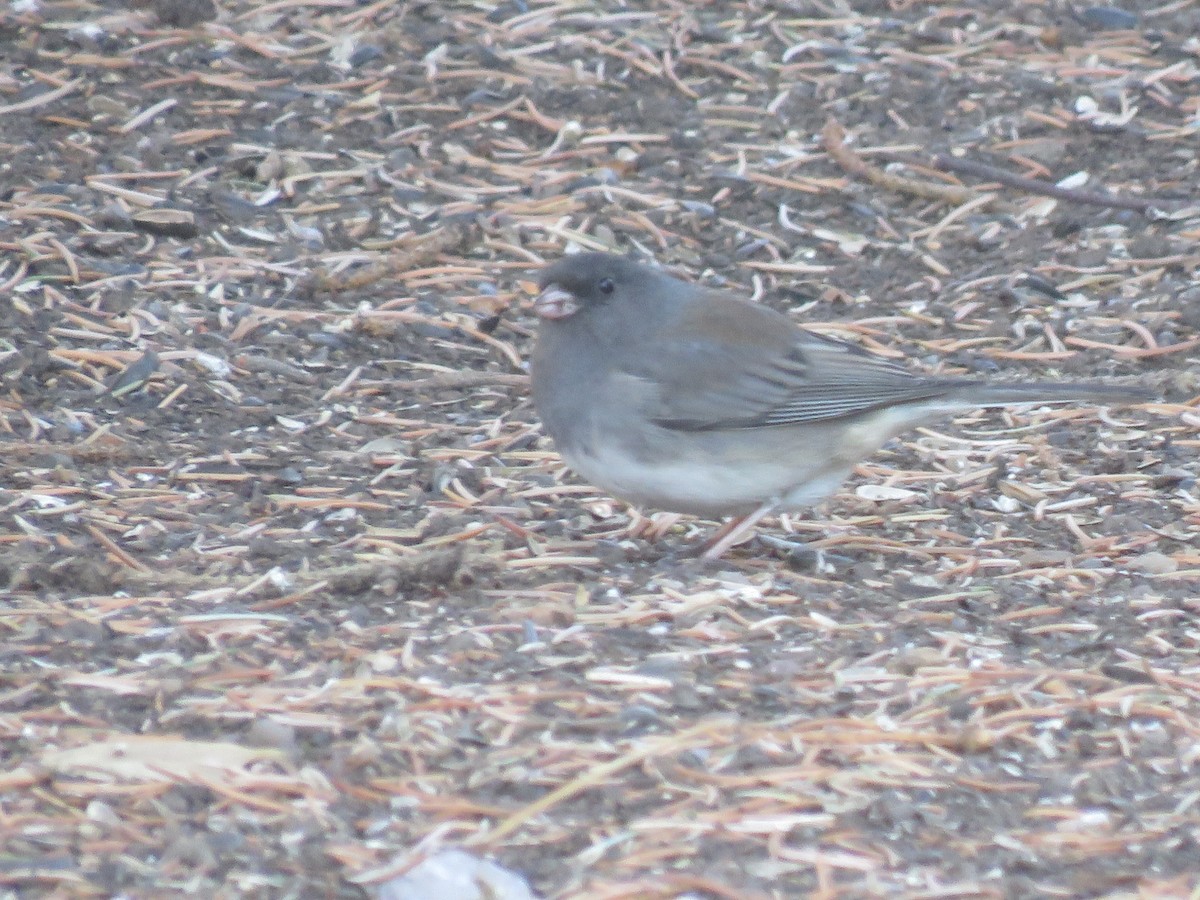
(1105,394)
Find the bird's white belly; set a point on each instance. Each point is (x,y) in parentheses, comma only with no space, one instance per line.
(709,487)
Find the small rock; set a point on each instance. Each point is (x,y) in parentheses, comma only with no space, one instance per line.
(456,875)
(269,167)
(184,13)
(1188,302)
(1045,558)
(103,105)
(1152,563)
(1047,151)
(1108,18)
(365,54)
(1150,246)
(879,493)
(113,216)
(177,223)
(909,662)
(267,732)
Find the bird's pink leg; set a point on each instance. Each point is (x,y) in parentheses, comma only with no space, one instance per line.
(735,530)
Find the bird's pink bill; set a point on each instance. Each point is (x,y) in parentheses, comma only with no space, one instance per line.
(555,303)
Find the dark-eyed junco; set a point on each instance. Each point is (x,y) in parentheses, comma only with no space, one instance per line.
(681,398)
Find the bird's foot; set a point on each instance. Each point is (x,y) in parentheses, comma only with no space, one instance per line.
(735,531)
(802,555)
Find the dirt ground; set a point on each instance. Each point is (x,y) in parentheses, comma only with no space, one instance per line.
(295,593)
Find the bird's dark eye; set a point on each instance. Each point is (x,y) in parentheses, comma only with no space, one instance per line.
(606,286)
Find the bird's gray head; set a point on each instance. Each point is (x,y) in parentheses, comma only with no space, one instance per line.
(591,281)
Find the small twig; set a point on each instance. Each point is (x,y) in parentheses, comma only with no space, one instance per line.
(406,253)
(42,99)
(592,777)
(833,139)
(112,548)
(471,379)
(258,362)
(1046,188)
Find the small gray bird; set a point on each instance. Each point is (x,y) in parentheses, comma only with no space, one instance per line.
(681,398)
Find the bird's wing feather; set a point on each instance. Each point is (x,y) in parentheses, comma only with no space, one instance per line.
(789,376)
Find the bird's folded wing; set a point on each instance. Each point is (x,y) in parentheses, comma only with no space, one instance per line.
(723,370)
